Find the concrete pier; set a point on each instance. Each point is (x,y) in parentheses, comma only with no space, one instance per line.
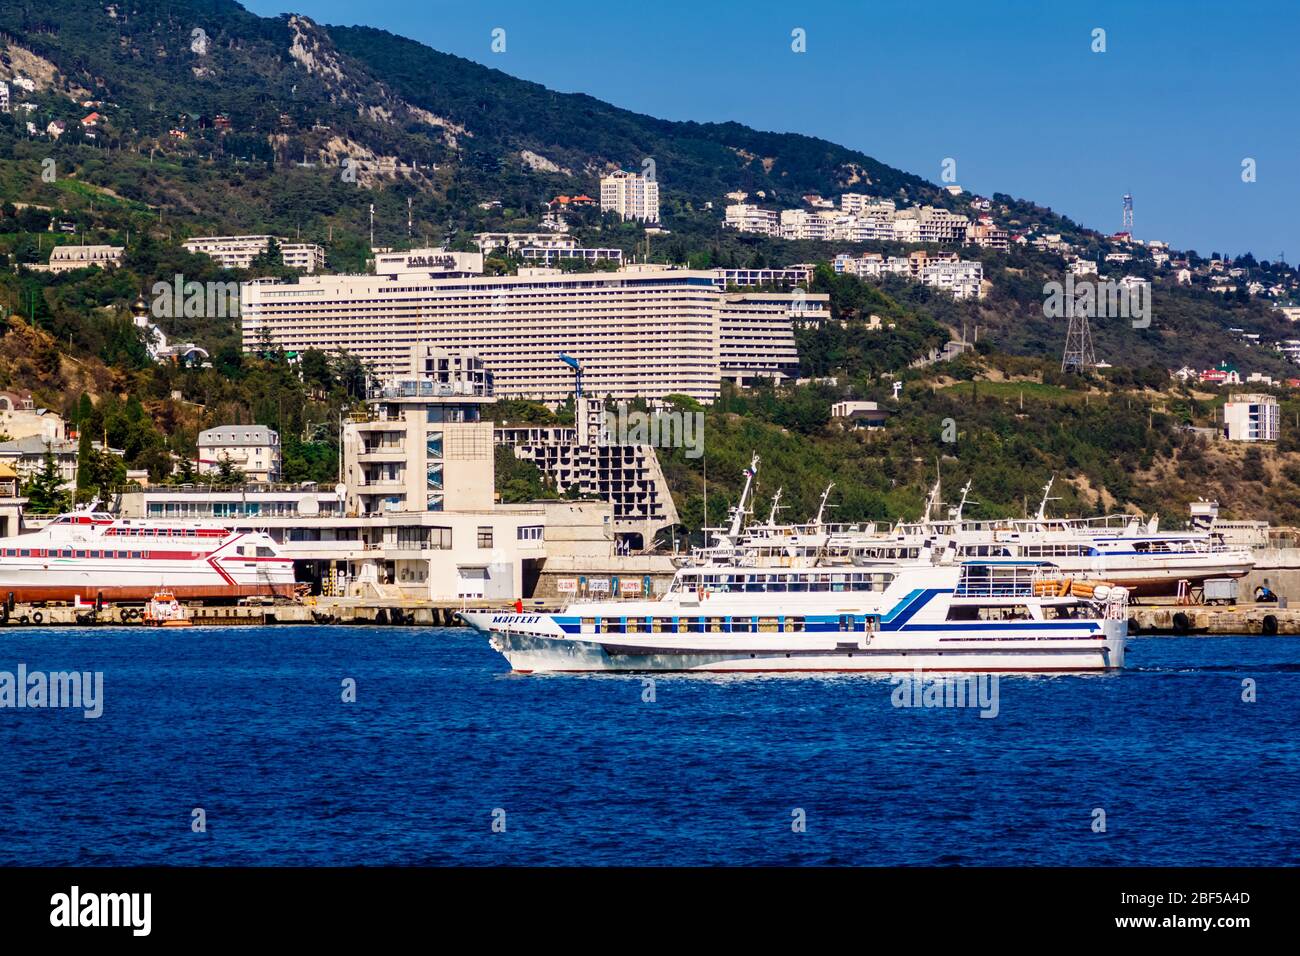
(1263,619)
(313,611)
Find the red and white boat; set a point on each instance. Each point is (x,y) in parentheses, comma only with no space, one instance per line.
(91,554)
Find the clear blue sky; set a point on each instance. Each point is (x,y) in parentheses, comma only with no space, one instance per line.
(1009,88)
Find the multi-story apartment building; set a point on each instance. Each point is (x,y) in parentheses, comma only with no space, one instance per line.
(746,217)
(929,224)
(961,278)
(488,242)
(986,235)
(252,449)
(820,224)
(584,459)
(630,195)
(238,252)
(71,258)
(868,229)
(615,324)
(860,204)
(1251,417)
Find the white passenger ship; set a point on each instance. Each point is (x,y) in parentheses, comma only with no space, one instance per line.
(91,555)
(1122,549)
(985,616)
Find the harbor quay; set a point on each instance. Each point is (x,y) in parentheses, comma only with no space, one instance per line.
(414,533)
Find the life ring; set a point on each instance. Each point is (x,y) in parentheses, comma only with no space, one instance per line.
(124,614)
(23,619)
(38,617)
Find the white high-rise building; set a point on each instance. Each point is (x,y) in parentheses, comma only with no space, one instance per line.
(639,332)
(630,195)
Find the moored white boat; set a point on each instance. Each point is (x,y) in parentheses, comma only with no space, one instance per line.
(91,555)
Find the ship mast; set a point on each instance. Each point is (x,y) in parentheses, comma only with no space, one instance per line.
(776,506)
(738,512)
(965,490)
(821,508)
(931,501)
(1041,517)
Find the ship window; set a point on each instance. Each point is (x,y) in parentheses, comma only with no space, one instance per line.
(683,625)
(717,624)
(137,555)
(662,625)
(10,553)
(265,552)
(794,624)
(96,554)
(767,624)
(81,554)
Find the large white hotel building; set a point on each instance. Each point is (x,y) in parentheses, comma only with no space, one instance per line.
(640,332)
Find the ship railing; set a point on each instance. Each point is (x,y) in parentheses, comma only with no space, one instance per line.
(998,581)
(1115,606)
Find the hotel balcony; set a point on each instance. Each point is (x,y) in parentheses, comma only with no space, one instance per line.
(382,453)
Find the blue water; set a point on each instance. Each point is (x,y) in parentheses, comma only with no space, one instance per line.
(249,725)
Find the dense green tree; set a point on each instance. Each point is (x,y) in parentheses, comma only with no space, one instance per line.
(45,491)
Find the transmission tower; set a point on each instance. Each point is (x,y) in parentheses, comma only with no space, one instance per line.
(1079,356)
(1128,213)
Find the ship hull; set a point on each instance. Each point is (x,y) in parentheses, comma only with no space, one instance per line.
(1016,653)
(28,593)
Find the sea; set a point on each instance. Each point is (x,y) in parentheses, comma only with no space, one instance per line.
(333,746)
